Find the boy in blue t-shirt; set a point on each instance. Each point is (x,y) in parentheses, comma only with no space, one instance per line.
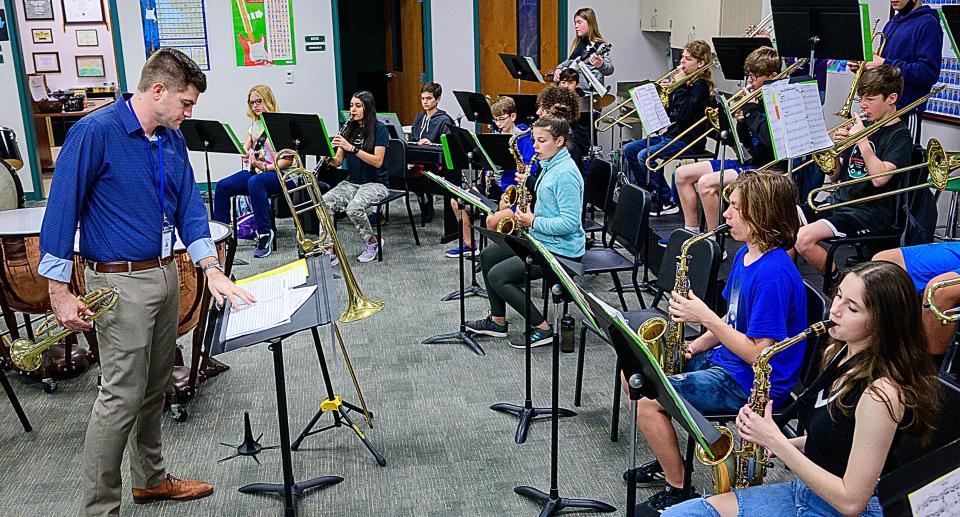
(504,111)
(767,303)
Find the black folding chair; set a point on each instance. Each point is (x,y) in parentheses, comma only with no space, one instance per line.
(597,195)
(396,163)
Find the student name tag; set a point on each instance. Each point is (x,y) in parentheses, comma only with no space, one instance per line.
(166,249)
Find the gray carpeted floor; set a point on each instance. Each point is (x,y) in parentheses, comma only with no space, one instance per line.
(448,454)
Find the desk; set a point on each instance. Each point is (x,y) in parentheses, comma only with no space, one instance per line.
(45,122)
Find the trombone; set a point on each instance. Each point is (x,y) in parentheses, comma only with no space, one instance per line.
(939,165)
(945,316)
(358,305)
(712,115)
(766,24)
(847,108)
(663,91)
(827,159)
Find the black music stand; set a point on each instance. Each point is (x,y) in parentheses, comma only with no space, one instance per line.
(310,315)
(526,107)
(521,68)
(645,378)
(894,489)
(552,502)
(732,52)
(475,107)
(304,133)
(210,136)
(461,335)
(828,29)
(467,153)
(15,402)
(526,413)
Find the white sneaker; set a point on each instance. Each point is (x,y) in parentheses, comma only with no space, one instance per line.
(369,252)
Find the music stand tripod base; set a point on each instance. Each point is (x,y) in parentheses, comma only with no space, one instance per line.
(249,446)
(527,414)
(470,290)
(456,337)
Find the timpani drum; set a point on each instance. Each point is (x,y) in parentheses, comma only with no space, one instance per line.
(21,286)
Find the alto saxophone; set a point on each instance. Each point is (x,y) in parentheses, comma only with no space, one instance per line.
(746,465)
(675,346)
(516,195)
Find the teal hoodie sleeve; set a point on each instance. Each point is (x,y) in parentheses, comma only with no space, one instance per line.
(564,194)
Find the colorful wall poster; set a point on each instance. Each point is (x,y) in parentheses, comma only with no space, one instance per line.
(264,32)
(179,24)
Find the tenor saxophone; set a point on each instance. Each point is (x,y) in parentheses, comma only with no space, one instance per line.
(746,465)
(675,346)
(516,195)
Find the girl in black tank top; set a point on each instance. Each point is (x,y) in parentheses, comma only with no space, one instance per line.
(878,382)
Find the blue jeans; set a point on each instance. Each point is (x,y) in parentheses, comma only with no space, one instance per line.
(792,498)
(708,387)
(636,153)
(258,186)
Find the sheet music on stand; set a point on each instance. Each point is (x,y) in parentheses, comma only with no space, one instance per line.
(277,299)
(742,154)
(795,118)
(653,116)
(467,196)
(937,497)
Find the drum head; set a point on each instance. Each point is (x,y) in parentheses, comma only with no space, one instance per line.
(219,231)
(11,191)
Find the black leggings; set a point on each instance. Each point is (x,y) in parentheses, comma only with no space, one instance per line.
(503,274)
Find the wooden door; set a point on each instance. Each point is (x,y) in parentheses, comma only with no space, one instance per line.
(404,43)
(498,34)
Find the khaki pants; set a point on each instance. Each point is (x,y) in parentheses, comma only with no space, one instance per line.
(137,347)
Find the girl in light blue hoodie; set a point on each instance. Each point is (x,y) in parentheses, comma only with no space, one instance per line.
(555,222)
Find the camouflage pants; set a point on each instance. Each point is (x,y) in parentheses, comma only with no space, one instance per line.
(355,200)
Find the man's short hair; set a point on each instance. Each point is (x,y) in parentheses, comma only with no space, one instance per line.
(763,61)
(172,68)
(570,75)
(880,80)
(503,106)
(432,88)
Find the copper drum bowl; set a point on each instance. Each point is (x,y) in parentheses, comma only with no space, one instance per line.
(20,284)
(191,289)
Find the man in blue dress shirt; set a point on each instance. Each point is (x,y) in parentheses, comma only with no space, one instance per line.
(124,177)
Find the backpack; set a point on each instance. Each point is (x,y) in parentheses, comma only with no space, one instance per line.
(921,218)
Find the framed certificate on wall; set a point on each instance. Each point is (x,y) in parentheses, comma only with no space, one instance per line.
(83,11)
(38,9)
(42,35)
(46,62)
(87,38)
(90,66)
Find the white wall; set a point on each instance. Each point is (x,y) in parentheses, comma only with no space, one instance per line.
(453,42)
(314,89)
(65,44)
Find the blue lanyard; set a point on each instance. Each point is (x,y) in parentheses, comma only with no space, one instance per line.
(157,181)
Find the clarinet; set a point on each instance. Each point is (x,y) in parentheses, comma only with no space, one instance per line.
(326,159)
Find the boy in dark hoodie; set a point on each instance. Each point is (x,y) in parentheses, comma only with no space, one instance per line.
(914,43)
(432,121)
(427,128)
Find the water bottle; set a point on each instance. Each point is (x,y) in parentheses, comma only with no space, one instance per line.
(567,327)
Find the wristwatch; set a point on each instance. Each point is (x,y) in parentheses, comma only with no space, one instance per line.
(215,264)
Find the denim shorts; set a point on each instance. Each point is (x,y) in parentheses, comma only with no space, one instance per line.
(793,498)
(929,260)
(708,387)
(733,165)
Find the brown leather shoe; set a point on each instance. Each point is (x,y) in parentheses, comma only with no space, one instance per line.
(172,489)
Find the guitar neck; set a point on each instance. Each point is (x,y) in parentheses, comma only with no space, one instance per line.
(245,17)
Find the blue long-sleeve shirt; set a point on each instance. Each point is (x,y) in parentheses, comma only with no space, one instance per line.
(103,181)
(557,215)
(914,44)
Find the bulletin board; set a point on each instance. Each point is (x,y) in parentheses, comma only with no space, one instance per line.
(945,106)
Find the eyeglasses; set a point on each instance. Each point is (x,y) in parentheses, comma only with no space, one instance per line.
(255,102)
(501,119)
